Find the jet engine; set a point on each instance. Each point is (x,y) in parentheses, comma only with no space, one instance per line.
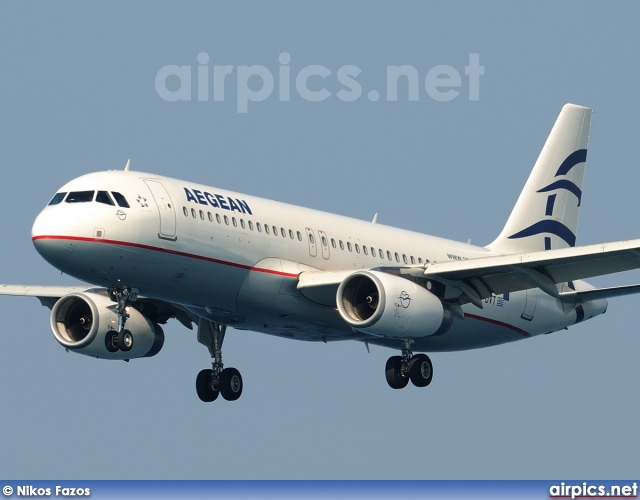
(80,322)
(390,306)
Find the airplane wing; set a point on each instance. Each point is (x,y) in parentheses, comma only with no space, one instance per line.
(48,295)
(160,311)
(476,279)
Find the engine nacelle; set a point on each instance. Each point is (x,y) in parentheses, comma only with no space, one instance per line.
(80,322)
(389,306)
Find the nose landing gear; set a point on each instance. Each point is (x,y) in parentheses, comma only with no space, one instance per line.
(121,339)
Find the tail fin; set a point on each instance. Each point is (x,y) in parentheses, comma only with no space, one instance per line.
(545,216)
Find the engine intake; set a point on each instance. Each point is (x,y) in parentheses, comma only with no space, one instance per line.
(389,306)
(80,321)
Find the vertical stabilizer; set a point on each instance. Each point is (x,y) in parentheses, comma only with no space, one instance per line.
(545,216)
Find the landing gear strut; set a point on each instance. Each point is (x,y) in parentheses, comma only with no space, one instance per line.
(121,338)
(217,380)
(400,369)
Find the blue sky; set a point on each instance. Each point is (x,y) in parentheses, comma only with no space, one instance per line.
(78,93)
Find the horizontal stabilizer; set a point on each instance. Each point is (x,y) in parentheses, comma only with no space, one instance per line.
(599,293)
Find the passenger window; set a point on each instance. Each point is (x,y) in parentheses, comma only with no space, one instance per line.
(341,245)
(357,248)
(283,232)
(193,213)
(104,197)
(333,243)
(381,253)
(275,231)
(311,239)
(80,197)
(266,229)
(349,246)
(413,261)
(226,220)
(299,236)
(58,197)
(389,255)
(251,225)
(404,259)
(201,214)
(290,234)
(242,223)
(235,222)
(259,226)
(373,251)
(397,257)
(185,211)
(419,260)
(364,249)
(324,241)
(210,215)
(120,200)
(218,219)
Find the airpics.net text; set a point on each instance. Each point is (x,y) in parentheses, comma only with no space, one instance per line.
(313,83)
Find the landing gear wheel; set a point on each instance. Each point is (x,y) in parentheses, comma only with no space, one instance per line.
(230,384)
(111,341)
(204,382)
(420,370)
(125,340)
(393,372)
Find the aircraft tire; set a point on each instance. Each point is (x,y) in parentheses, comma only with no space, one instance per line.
(125,340)
(203,386)
(420,370)
(111,341)
(393,372)
(230,384)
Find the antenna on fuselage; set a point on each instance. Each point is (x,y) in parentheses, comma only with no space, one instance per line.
(126,167)
(375,219)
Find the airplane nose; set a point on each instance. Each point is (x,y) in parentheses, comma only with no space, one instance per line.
(52,238)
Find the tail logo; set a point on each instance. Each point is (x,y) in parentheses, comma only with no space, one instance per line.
(550,226)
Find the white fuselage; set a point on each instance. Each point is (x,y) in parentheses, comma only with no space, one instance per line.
(235,259)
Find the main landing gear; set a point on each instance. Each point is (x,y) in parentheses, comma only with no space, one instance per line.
(401,369)
(217,380)
(121,339)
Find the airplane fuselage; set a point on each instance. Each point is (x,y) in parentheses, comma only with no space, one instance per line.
(235,259)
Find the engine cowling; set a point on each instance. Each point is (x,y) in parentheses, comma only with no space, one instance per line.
(389,306)
(80,322)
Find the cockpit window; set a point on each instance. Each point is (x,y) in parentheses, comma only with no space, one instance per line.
(80,197)
(57,198)
(104,197)
(121,200)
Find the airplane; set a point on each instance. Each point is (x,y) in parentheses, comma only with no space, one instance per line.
(151,248)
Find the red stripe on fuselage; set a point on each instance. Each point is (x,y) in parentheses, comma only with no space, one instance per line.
(499,323)
(168,251)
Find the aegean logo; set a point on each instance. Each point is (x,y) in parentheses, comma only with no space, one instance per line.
(313,83)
